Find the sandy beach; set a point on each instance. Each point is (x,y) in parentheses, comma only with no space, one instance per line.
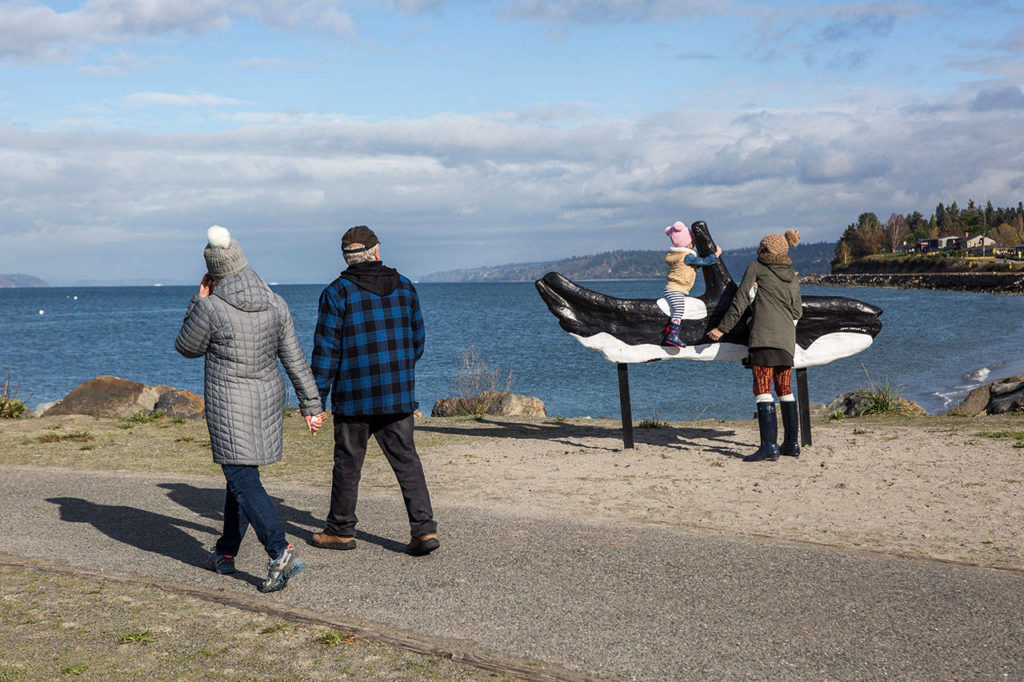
(942,487)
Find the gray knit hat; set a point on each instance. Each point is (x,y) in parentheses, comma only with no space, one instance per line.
(223,254)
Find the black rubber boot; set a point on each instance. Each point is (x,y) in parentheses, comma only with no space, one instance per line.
(790,429)
(769,428)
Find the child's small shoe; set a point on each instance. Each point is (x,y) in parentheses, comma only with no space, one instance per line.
(672,337)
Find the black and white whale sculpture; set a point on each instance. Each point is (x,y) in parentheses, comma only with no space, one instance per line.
(627,330)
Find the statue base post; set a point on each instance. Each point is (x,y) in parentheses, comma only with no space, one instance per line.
(625,407)
(804,401)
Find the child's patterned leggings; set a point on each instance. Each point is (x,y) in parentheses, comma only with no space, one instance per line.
(763,377)
(676,303)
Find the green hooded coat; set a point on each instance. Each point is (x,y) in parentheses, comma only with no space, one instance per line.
(772,292)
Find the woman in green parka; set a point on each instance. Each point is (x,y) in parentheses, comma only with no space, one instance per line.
(772,292)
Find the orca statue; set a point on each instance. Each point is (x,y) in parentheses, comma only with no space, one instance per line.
(627,330)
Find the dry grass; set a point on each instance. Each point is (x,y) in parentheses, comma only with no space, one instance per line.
(58,626)
(167,446)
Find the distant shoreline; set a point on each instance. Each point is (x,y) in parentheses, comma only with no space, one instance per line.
(978,282)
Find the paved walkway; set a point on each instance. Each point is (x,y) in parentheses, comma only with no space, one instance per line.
(636,602)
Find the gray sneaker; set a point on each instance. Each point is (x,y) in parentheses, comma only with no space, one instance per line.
(221,563)
(279,570)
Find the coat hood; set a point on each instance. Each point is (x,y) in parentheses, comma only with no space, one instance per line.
(245,291)
(783,272)
(373,276)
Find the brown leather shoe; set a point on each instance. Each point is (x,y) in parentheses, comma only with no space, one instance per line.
(423,545)
(325,540)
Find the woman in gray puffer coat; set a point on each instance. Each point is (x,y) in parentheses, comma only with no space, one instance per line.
(242,328)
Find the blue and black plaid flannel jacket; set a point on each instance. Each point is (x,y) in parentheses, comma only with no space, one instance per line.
(366,347)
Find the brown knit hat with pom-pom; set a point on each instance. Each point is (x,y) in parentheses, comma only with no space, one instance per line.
(774,248)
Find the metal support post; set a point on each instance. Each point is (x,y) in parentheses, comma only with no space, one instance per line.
(625,407)
(805,407)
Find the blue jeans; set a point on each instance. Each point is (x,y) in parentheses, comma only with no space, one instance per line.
(247,503)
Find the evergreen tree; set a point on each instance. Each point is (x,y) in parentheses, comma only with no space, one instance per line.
(951,226)
(918,226)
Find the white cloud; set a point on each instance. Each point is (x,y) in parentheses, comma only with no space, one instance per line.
(415,6)
(122,63)
(1009,97)
(32,30)
(494,186)
(175,100)
(263,62)
(610,11)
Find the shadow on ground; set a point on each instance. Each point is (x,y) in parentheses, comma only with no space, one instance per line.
(717,440)
(209,504)
(146,530)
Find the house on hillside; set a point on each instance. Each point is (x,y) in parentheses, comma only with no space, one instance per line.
(952,243)
(981,246)
(980,241)
(928,245)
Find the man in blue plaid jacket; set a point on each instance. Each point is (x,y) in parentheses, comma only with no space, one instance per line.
(369,335)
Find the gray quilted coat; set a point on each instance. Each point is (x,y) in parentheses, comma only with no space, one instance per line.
(242,328)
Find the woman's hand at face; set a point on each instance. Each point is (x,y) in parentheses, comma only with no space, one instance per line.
(207,285)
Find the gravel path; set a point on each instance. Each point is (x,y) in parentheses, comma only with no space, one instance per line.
(629,601)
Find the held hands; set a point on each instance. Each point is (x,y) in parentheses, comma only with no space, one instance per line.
(715,334)
(207,286)
(315,421)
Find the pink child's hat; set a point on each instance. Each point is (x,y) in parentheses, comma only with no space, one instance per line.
(679,233)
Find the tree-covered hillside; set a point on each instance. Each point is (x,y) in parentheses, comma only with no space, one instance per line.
(807,259)
(869,235)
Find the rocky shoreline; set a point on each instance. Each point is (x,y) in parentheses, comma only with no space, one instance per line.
(988,282)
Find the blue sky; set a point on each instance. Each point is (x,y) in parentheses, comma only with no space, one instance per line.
(476,133)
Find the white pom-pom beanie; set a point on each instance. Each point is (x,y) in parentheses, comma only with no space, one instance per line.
(223,254)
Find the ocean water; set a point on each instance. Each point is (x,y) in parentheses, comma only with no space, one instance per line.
(934,346)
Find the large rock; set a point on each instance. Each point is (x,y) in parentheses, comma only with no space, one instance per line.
(854,404)
(494,403)
(449,407)
(975,403)
(818,411)
(41,408)
(848,404)
(182,404)
(515,405)
(108,396)
(1005,395)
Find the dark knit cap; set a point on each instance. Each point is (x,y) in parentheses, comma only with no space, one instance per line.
(359,234)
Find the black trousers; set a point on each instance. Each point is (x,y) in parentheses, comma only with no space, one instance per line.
(394,434)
